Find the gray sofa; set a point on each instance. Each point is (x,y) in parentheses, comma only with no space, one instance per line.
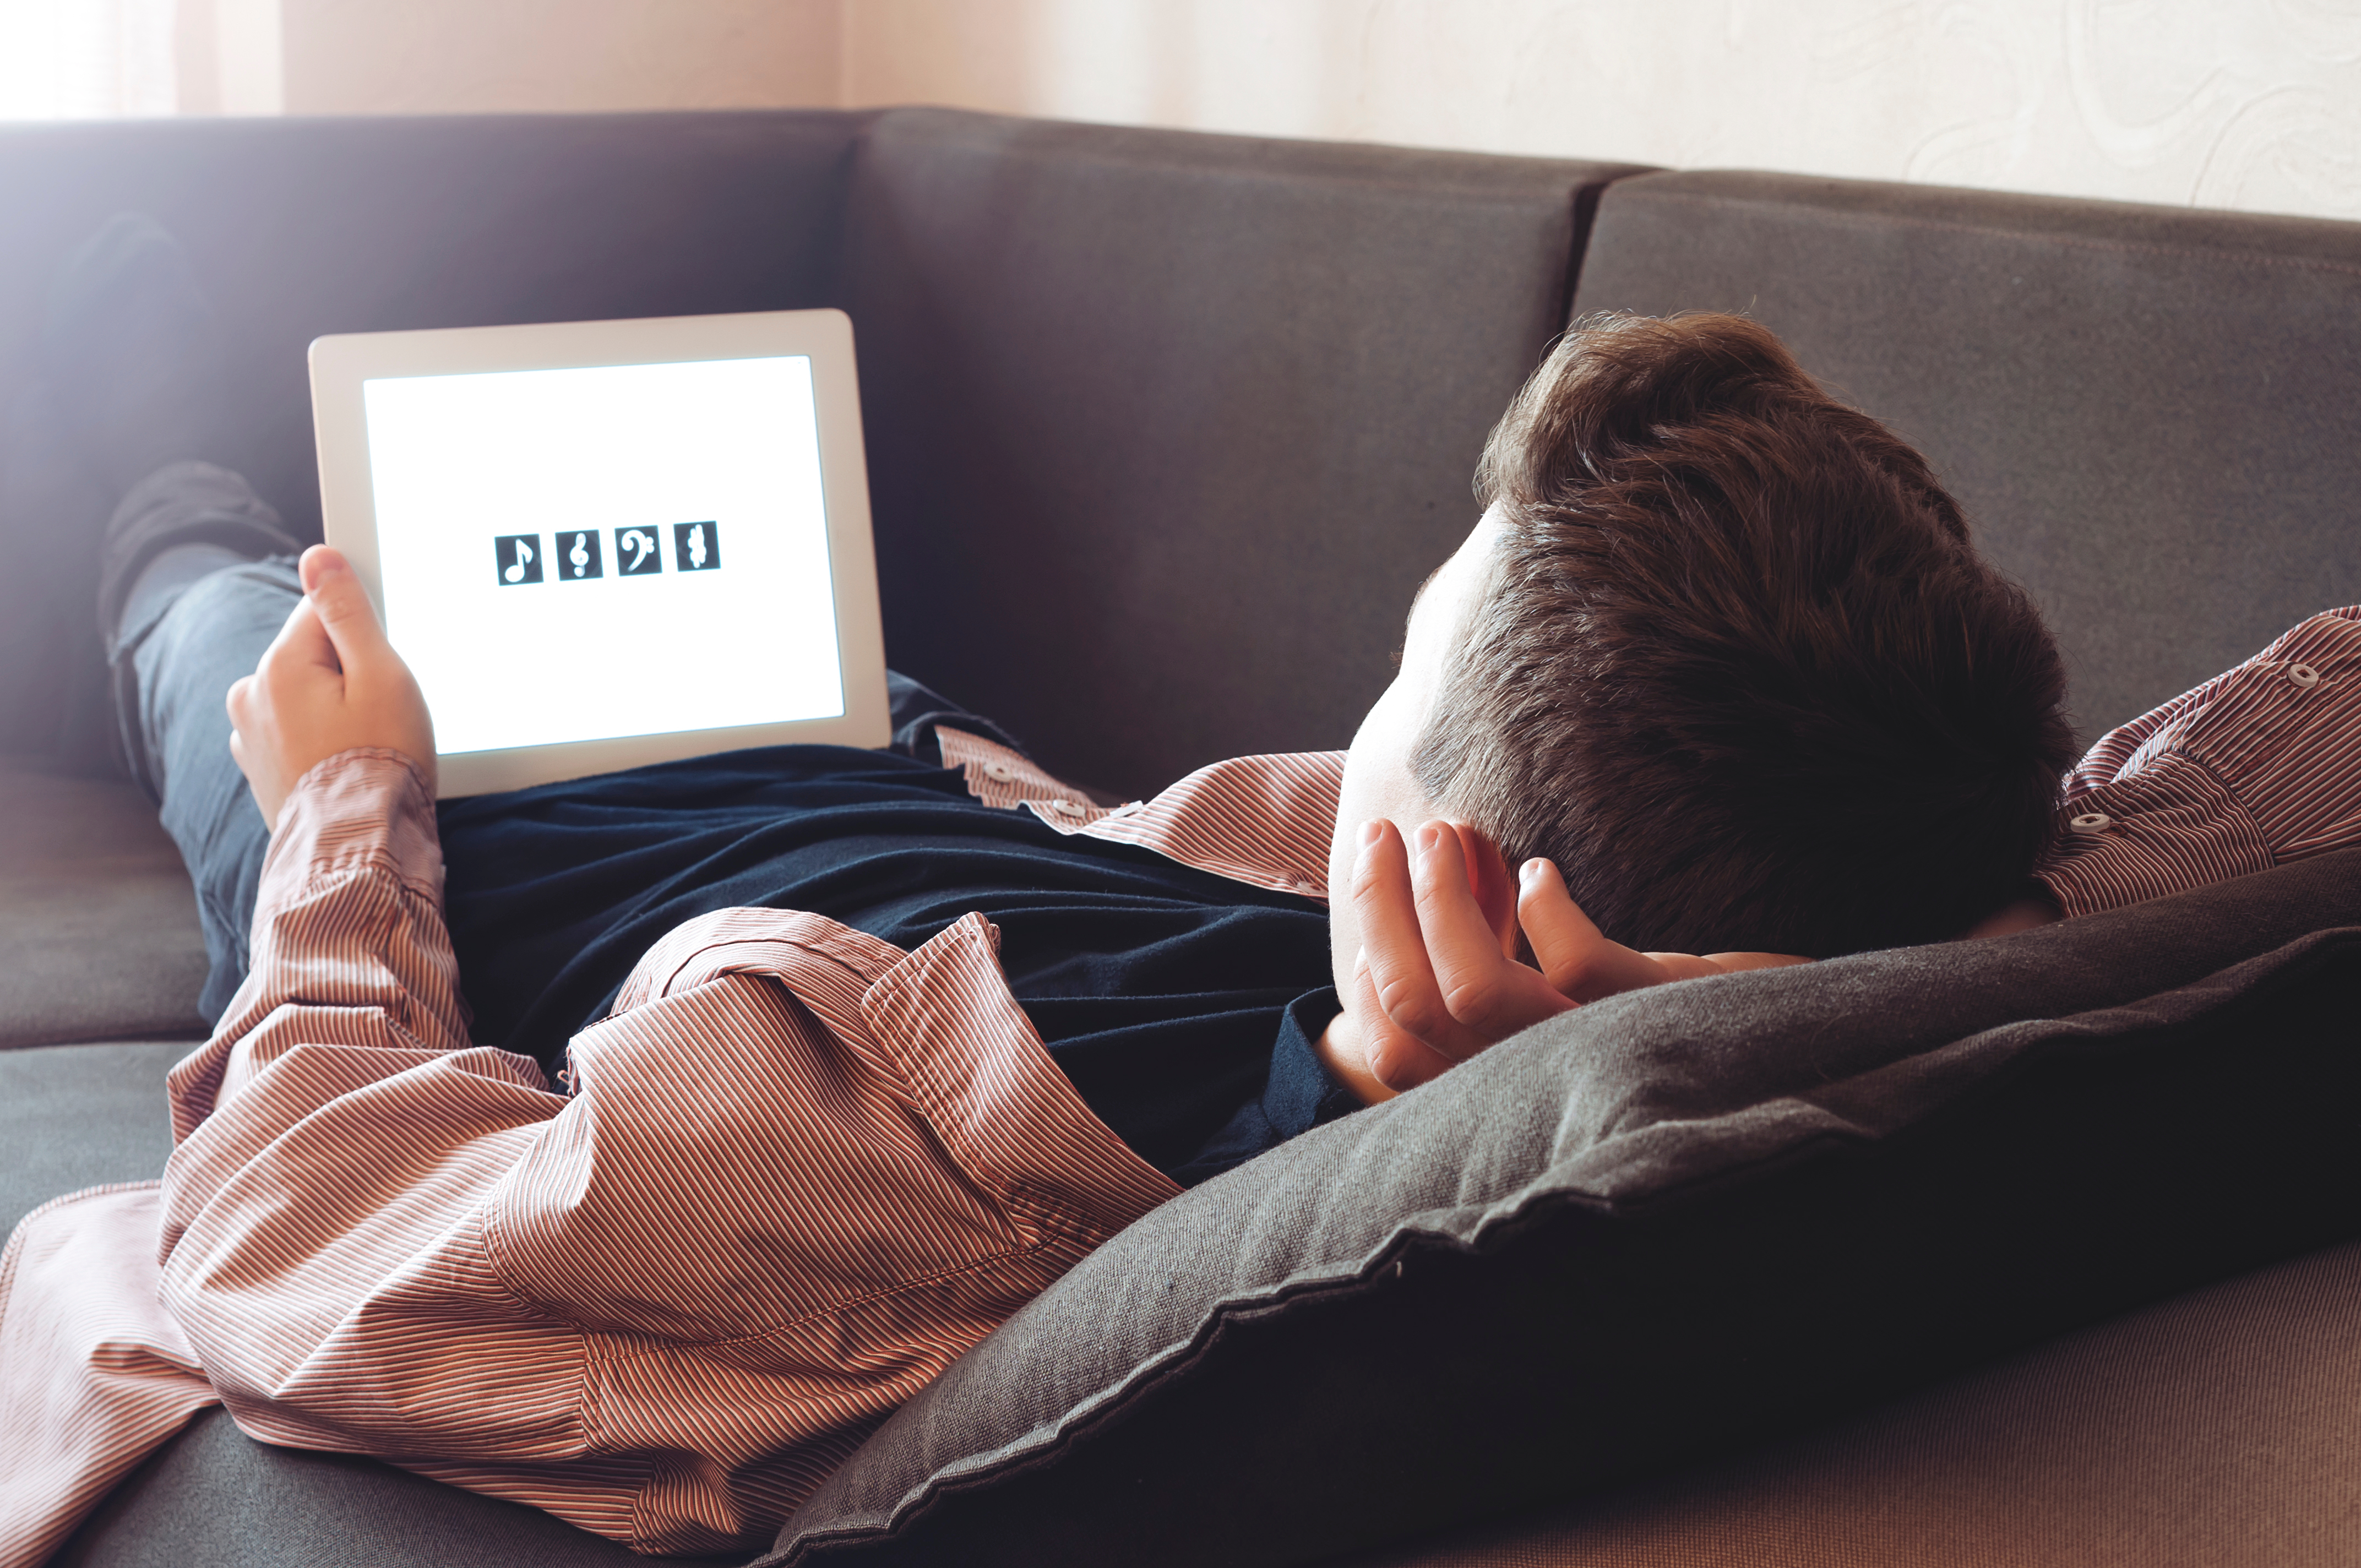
(1163,431)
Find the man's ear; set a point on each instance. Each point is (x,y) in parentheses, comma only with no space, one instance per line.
(1493,883)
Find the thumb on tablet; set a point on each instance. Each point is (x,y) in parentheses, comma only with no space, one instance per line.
(383,705)
(343,607)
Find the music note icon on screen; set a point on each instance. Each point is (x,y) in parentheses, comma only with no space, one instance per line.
(636,555)
(578,555)
(696,546)
(519,555)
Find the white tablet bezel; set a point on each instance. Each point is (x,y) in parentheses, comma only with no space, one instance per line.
(341,364)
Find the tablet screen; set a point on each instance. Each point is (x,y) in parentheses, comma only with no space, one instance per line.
(584,554)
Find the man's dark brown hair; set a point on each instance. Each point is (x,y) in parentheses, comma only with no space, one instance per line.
(1738,669)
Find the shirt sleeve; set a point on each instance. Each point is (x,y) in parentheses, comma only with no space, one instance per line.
(803,1171)
(2259,766)
(348,942)
(321,1236)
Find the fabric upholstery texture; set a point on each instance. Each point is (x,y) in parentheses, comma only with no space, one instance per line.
(2221,1428)
(2149,413)
(98,922)
(76,1116)
(1667,1224)
(215,1498)
(1164,429)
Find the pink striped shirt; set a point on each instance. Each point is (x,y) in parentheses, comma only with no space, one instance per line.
(2259,766)
(663,1308)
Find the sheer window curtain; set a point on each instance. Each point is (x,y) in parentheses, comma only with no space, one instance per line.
(80,59)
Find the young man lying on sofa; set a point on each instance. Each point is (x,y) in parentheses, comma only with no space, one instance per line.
(808,1066)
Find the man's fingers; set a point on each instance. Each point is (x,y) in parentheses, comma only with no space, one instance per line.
(345,615)
(1394,947)
(1573,953)
(302,645)
(1395,1059)
(1462,948)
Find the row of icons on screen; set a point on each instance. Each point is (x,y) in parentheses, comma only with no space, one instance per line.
(639,553)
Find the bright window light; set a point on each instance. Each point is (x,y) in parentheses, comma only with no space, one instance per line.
(83,59)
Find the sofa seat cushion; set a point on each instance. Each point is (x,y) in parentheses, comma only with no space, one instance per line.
(81,1116)
(2221,1428)
(214,1498)
(97,918)
(1666,1226)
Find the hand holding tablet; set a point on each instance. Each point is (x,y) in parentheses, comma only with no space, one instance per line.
(327,684)
(599,545)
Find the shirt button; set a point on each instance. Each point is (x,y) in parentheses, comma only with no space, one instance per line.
(1307,889)
(999,771)
(2092,822)
(2304,677)
(1067,808)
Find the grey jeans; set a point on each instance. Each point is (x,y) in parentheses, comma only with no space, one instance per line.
(172,681)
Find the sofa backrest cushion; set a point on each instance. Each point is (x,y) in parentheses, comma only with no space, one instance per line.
(1665,1224)
(1164,429)
(300,227)
(2152,415)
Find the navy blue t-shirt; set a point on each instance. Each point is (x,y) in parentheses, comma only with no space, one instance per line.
(1182,1006)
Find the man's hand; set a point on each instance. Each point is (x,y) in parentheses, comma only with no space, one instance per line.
(1438,978)
(330,682)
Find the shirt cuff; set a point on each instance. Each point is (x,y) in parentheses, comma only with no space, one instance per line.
(368,808)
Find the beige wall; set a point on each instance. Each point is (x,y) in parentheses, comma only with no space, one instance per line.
(412,56)
(402,57)
(2250,103)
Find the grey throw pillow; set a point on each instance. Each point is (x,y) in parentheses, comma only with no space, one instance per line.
(1668,1224)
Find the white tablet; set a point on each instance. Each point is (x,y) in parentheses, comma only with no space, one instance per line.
(605,543)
